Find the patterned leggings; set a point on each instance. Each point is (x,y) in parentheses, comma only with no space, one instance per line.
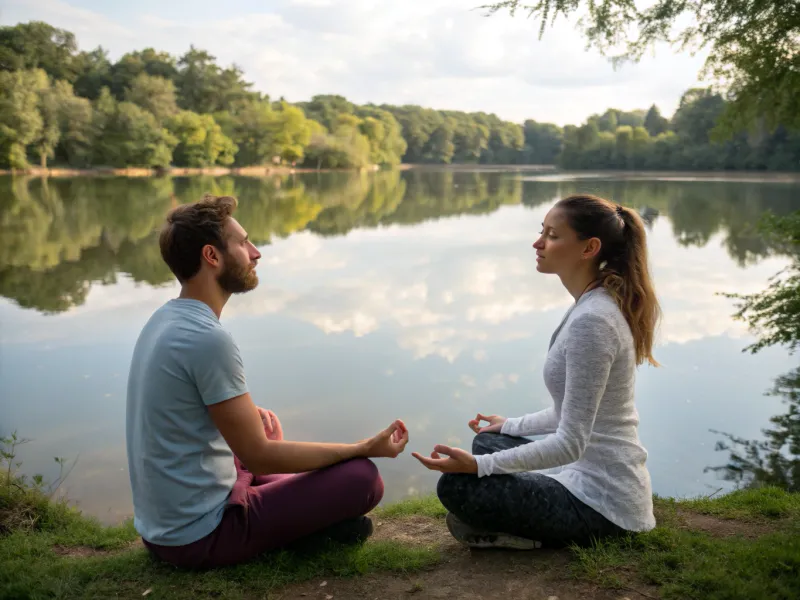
(529,505)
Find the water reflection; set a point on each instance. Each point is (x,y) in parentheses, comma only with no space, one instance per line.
(60,236)
(775,459)
(376,302)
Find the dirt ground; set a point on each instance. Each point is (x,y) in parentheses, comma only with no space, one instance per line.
(463,574)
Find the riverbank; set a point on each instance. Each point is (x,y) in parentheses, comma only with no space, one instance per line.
(524,172)
(742,545)
(262,171)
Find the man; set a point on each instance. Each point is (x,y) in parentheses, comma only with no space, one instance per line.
(213,481)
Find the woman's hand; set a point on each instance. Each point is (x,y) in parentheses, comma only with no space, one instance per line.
(457,461)
(272,426)
(495,423)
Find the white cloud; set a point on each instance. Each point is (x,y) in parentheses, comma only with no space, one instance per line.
(438,53)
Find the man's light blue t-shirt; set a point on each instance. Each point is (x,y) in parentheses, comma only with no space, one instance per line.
(181,468)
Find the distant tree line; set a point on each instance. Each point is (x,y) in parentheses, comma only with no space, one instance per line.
(62,106)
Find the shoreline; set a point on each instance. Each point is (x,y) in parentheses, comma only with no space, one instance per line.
(527,172)
(258,171)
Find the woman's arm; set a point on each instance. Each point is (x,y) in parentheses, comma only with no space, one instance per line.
(590,351)
(538,423)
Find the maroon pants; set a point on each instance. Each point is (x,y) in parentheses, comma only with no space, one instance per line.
(267,512)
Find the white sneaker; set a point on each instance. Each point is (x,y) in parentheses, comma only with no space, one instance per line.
(480,538)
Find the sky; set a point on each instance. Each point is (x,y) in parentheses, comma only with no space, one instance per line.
(443,54)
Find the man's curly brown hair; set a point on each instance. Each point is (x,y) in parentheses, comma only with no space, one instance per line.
(189,227)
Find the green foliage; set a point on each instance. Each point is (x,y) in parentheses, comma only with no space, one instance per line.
(37,45)
(775,312)
(204,87)
(131,136)
(201,142)
(21,122)
(654,123)
(94,73)
(385,136)
(154,94)
(75,124)
(329,131)
(290,132)
(326,108)
(752,46)
(543,143)
(687,143)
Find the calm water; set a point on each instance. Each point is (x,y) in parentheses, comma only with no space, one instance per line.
(410,295)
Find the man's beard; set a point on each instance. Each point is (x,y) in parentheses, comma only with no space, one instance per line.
(237,279)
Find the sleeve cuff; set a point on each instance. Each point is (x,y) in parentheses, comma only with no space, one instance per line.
(511,426)
(485,463)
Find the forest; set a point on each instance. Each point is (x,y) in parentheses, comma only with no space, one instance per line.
(60,106)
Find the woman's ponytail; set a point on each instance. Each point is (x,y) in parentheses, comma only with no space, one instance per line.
(624,269)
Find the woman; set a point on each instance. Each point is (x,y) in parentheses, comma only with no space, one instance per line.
(587,479)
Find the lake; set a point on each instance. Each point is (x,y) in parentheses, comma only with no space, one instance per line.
(408,294)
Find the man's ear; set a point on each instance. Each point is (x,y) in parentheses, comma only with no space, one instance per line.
(211,255)
(592,249)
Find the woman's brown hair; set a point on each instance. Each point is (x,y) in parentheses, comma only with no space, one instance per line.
(623,263)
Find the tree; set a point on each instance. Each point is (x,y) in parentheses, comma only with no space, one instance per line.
(543,142)
(775,311)
(326,108)
(624,146)
(387,145)
(290,132)
(154,94)
(201,142)
(655,123)
(203,87)
(75,116)
(697,114)
(440,147)
(37,45)
(249,128)
(348,138)
(752,46)
(133,64)
(129,136)
(20,120)
(94,73)
(51,103)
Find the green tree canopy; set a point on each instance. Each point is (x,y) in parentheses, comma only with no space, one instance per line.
(753,45)
(153,93)
(21,121)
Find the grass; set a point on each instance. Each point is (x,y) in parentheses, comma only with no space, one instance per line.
(40,537)
(427,506)
(685,563)
(37,534)
(748,505)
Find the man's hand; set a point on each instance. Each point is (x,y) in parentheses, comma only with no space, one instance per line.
(272,425)
(388,443)
(457,461)
(495,423)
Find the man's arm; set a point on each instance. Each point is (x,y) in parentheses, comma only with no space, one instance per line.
(240,424)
